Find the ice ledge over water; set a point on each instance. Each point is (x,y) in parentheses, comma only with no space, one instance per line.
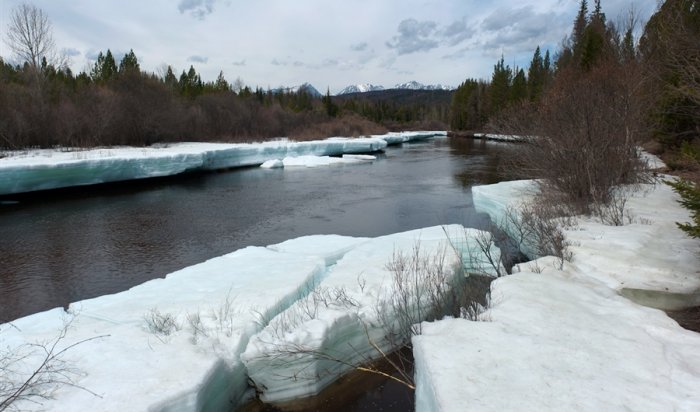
(175,344)
(565,339)
(34,170)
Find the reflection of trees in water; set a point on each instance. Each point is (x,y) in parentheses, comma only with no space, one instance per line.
(485,162)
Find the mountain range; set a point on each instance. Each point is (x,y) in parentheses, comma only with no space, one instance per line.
(412,85)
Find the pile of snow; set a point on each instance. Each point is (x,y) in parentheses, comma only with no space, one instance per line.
(360,88)
(563,338)
(315,161)
(175,344)
(307,347)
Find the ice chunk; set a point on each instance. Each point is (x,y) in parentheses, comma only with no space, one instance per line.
(558,343)
(171,344)
(308,346)
(51,169)
(394,138)
(272,164)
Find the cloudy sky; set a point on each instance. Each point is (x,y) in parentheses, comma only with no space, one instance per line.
(328,43)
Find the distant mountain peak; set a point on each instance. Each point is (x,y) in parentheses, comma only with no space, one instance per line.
(360,88)
(306,87)
(414,85)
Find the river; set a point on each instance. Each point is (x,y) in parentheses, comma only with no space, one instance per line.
(64,246)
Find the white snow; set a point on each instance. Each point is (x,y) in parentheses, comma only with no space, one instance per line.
(32,170)
(566,339)
(502,137)
(316,161)
(207,314)
(289,358)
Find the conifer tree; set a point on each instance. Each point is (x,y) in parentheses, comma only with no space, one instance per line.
(105,67)
(500,86)
(535,75)
(129,63)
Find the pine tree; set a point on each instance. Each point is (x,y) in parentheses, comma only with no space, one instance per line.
(170,80)
(129,63)
(536,75)
(221,84)
(105,67)
(579,25)
(518,90)
(500,86)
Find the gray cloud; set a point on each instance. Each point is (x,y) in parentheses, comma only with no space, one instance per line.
(457,32)
(359,46)
(92,54)
(414,36)
(239,63)
(276,62)
(521,29)
(298,64)
(197,8)
(198,59)
(71,52)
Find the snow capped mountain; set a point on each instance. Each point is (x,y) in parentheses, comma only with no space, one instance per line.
(307,87)
(414,85)
(360,88)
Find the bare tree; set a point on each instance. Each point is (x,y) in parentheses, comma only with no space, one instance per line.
(30,35)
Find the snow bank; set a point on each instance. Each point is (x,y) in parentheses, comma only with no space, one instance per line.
(566,339)
(177,344)
(305,348)
(33,170)
(50,169)
(206,314)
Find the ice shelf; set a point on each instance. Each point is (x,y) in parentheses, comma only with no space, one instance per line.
(32,170)
(192,340)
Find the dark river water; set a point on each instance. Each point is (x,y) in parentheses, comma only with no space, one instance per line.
(60,247)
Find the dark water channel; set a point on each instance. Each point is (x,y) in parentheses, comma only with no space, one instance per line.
(64,246)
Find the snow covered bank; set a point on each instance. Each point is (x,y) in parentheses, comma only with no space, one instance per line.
(567,339)
(33,170)
(175,344)
(50,169)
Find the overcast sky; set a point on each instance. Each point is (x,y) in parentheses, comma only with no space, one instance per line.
(328,43)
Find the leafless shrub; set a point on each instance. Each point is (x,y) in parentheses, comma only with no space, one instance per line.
(197,326)
(588,128)
(30,372)
(160,324)
(224,314)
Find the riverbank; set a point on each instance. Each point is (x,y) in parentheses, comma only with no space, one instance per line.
(194,340)
(45,169)
(561,336)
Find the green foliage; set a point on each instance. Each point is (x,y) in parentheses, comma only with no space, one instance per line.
(129,64)
(518,91)
(690,199)
(501,81)
(332,109)
(105,67)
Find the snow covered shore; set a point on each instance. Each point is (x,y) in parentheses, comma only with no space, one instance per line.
(566,339)
(176,344)
(44,169)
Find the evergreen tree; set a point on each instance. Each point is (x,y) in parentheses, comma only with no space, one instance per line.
(129,63)
(170,79)
(518,90)
(221,84)
(331,108)
(501,82)
(580,25)
(105,67)
(536,75)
